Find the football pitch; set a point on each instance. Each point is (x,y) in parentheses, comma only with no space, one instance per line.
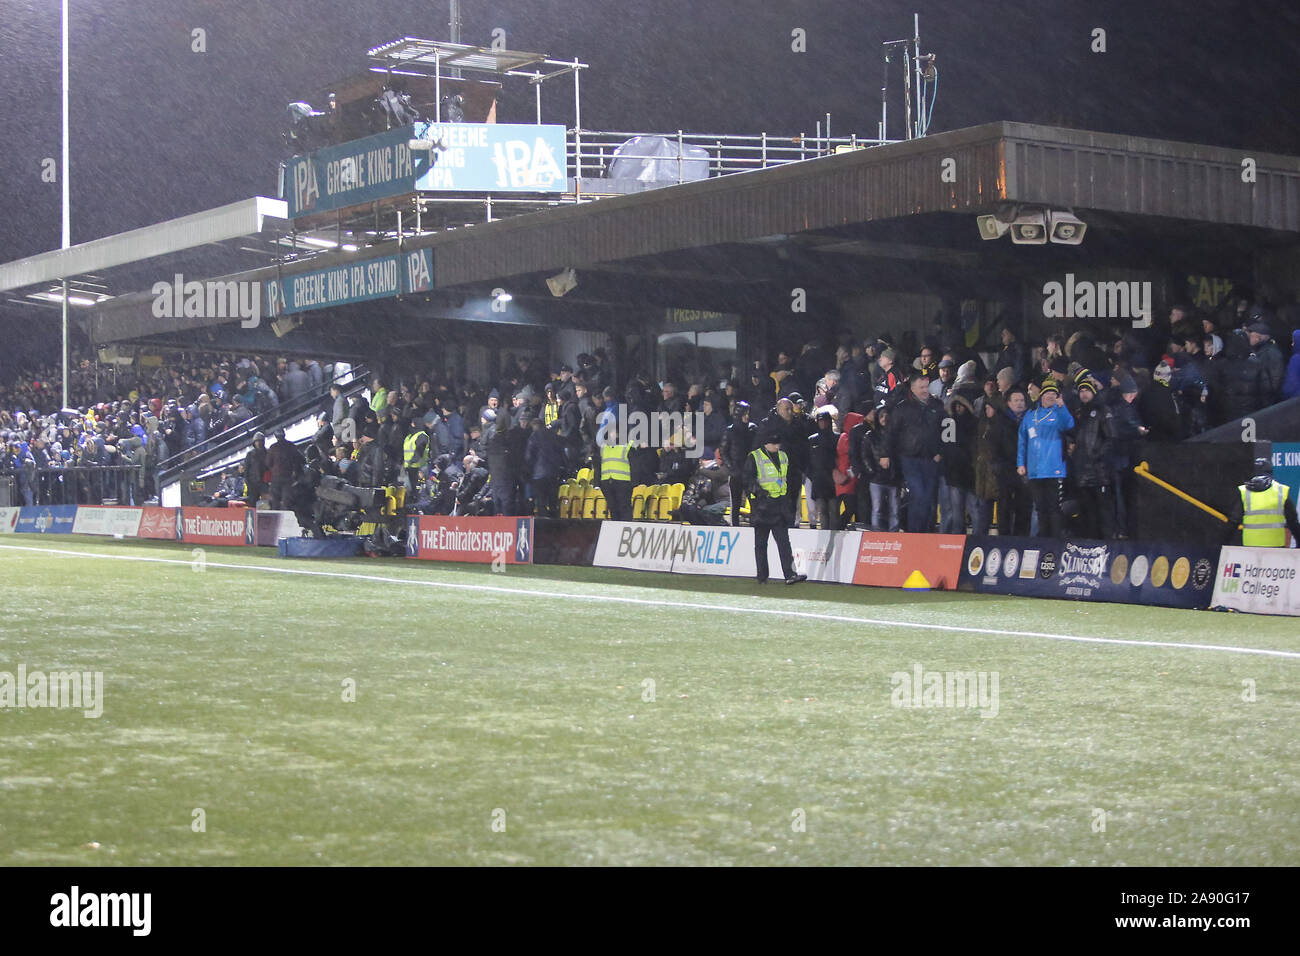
(260,711)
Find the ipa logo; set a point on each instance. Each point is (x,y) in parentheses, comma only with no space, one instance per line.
(306,190)
(1084,299)
(210,299)
(521,166)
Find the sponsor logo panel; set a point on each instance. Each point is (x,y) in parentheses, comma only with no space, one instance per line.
(107,521)
(9,520)
(887,560)
(476,540)
(212,526)
(1132,572)
(158,523)
(46,519)
(1259,580)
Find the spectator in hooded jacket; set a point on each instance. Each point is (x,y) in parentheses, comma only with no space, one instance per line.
(1090,464)
(715,425)
(845,509)
(545,461)
(822,446)
(959,467)
(1158,404)
(740,438)
(1041,458)
(1271,364)
(1128,431)
(285,462)
(1237,382)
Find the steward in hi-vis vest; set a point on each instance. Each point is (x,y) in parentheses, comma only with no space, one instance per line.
(616,478)
(415,454)
(767,481)
(1264,510)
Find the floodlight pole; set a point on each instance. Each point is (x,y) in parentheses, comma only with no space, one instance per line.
(67,226)
(916,65)
(577,123)
(453,30)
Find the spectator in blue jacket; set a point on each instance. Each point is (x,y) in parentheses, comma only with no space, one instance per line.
(1291,384)
(1041,456)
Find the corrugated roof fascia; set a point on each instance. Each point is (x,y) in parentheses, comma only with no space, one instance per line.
(233,221)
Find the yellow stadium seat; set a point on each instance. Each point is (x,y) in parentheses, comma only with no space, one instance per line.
(585,475)
(674,497)
(655,503)
(639,502)
(601,510)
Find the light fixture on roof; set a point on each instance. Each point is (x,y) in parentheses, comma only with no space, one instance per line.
(1032,225)
(1064,228)
(1029,228)
(995,225)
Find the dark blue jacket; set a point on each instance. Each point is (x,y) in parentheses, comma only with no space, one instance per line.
(1291,384)
(544,455)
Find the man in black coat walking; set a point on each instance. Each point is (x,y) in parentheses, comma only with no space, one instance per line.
(738,441)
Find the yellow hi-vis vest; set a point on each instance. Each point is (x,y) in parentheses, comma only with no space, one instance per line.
(550,412)
(411,458)
(1263,523)
(613,463)
(771,478)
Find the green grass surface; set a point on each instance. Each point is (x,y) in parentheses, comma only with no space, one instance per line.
(523,692)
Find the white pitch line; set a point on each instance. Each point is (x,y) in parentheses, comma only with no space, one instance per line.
(616,599)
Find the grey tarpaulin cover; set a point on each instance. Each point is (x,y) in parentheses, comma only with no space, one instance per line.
(653,159)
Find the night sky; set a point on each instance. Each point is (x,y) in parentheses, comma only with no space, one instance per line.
(160,131)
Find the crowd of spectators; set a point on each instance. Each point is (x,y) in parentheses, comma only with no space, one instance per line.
(1046,431)
(121,425)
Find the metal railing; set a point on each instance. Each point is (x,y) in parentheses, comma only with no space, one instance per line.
(591,151)
(84,485)
(225,443)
